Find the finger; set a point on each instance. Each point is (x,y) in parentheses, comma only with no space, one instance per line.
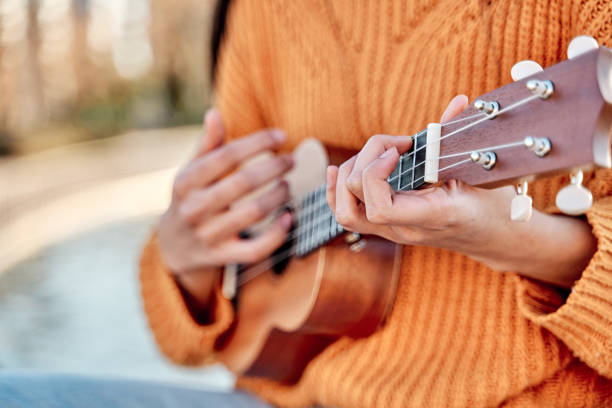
(375,146)
(201,203)
(348,214)
(454,108)
(378,194)
(330,188)
(232,222)
(260,247)
(208,168)
(214,132)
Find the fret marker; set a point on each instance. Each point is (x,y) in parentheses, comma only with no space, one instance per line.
(432,152)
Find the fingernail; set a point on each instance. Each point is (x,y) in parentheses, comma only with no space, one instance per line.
(286,220)
(279,136)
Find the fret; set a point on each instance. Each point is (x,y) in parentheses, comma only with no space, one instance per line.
(395,175)
(316,223)
(418,171)
(415,146)
(317,219)
(410,170)
(400,168)
(310,219)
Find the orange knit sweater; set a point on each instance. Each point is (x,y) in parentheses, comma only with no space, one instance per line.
(459,334)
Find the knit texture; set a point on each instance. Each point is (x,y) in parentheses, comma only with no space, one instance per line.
(460,334)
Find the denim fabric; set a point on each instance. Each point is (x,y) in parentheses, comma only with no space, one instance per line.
(24,390)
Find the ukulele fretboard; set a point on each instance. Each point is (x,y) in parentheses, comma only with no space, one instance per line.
(410,171)
(317,225)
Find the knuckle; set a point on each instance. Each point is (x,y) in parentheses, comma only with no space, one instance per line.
(343,168)
(226,154)
(375,215)
(204,236)
(179,188)
(353,182)
(257,210)
(376,140)
(244,181)
(345,219)
(186,214)
(264,138)
(279,165)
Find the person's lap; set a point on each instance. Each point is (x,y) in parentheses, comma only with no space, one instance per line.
(19,390)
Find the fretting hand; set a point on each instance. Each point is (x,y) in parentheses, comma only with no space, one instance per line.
(455,216)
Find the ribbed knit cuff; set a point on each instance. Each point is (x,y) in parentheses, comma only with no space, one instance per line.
(584,321)
(179,336)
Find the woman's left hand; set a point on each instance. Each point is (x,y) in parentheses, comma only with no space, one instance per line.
(455,216)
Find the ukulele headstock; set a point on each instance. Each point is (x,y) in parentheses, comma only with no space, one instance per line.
(556,120)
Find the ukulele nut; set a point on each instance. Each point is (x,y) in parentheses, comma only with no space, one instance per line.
(486,159)
(542,89)
(539,145)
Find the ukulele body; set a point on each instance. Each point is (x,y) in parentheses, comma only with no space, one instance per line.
(346,288)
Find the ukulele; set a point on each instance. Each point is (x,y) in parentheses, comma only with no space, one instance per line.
(325,283)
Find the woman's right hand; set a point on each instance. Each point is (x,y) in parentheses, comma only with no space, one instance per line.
(199,232)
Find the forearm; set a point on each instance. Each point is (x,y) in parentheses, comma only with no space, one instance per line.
(551,248)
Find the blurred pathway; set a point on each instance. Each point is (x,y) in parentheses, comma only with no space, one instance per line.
(72,222)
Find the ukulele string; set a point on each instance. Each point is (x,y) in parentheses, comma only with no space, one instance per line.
(255,270)
(498,147)
(466,127)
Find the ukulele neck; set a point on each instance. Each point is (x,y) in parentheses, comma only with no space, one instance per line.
(317,225)
(409,174)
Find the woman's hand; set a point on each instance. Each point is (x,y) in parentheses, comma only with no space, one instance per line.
(200,232)
(455,216)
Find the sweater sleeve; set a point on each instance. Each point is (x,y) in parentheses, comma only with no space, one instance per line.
(583,321)
(179,336)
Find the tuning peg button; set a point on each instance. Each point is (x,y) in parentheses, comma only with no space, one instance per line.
(521,206)
(574,199)
(523,69)
(581,44)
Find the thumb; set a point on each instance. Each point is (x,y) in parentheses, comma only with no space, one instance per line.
(214,132)
(454,108)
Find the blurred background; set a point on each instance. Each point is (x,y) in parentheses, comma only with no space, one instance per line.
(100,102)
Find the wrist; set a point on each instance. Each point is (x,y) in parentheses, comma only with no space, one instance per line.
(550,248)
(198,288)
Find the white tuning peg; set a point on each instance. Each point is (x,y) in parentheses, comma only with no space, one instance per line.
(521,205)
(574,199)
(523,69)
(581,44)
